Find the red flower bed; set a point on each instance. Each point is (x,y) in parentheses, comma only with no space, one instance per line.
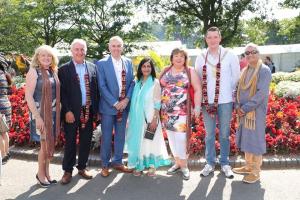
(19,131)
(282,131)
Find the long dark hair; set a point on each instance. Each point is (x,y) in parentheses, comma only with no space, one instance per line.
(139,73)
(3,66)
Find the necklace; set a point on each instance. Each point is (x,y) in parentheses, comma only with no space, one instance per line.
(211,109)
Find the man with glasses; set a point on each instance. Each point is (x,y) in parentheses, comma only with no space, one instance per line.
(252,100)
(219,72)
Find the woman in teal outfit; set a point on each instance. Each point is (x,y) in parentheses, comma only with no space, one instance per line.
(144,108)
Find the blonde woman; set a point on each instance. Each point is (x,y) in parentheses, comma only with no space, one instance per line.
(42,94)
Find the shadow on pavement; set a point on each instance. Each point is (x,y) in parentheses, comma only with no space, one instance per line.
(116,186)
(246,191)
(216,192)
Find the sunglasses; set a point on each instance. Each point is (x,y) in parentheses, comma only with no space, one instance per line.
(251,52)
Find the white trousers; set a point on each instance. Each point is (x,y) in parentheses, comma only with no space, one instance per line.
(177,142)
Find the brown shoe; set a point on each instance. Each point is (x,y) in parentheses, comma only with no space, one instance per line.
(66,178)
(241,170)
(85,174)
(104,172)
(123,169)
(250,178)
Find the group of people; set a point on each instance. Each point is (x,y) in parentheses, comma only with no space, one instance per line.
(132,108)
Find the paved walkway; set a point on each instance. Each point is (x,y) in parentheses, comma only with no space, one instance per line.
(269,161)
(18,182)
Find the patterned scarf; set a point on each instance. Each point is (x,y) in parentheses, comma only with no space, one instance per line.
(123,92)
(252,84)
(46,112)
(85,110)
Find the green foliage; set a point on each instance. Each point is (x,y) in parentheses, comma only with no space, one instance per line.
(290,30)
(186,16)
(64,60)
(291,3)
(262,32)
(26,24)
(104,19)
(159,61)
(184,29)
(255,31)
(13,36)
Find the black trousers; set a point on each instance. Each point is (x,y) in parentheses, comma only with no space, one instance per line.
(85,137)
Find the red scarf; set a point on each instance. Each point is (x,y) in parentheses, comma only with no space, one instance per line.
(211,109)
(85,110)
(123,92)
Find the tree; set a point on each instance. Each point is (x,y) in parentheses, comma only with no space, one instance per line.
(291,3)
(14,36)
(255,30)
(103,19)
(37,22)
(290,30)
(201,15)
(60,21)
(50,21)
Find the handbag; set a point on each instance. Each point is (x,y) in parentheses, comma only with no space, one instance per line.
(149,134)
(3,125)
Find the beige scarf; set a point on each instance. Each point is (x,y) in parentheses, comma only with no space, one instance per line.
(249,120)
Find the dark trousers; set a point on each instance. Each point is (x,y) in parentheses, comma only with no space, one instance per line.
(85,137)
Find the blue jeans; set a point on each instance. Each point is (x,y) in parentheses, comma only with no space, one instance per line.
(108,124)
(224,116)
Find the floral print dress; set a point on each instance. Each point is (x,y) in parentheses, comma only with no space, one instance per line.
(174,101)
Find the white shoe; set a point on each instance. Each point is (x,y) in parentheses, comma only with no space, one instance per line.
(173,170)
(227,171)
(207,170)
(185,173)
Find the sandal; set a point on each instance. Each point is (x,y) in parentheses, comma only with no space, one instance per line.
(137,173)
(151,172)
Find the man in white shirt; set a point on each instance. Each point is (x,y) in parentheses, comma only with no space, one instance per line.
(116,82)
(219,72)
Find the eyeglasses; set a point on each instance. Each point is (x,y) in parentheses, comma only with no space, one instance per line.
(251,52)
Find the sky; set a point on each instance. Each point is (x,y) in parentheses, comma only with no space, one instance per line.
(275,11)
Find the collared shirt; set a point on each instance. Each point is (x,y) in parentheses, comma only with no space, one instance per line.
(230,73)
(118,66)
(81,71)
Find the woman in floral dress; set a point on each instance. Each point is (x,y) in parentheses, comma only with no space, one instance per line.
(176,81)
